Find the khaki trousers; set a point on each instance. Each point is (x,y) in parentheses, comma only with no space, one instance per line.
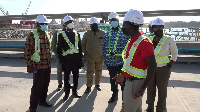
(91,67)
(131,88)
(160,80)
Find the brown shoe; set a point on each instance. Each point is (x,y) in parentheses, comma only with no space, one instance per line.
(46,104)
(32,110)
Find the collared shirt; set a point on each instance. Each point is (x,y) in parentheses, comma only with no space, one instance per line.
(45,55)
(122,41)
(92,45)
(144,50)
(169,47)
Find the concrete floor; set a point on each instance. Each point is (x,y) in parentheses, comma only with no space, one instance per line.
(15,88)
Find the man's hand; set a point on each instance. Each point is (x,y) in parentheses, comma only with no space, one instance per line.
(30,69)
(140,93)
(119,79)
(171,63)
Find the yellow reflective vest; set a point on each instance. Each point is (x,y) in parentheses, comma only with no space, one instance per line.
(133,71)
(160,59)
(73,48)
(36,56)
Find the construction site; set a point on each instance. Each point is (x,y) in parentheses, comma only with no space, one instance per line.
(15,82)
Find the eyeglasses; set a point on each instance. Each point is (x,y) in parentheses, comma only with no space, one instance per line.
(155,29)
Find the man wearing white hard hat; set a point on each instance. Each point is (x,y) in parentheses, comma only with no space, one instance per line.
(92,49)
(164,45)
(69,51)
(113,44)
(150,29)
(139,62)
(54,49)
(37,56)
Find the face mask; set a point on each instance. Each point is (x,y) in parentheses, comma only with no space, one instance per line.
(44,27)
(159,33)
(124,31)
(114,24)
(94,28)
(151,33)
(70,26)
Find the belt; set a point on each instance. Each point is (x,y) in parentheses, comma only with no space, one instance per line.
(134,78)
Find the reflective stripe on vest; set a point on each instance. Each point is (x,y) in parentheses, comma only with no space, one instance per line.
(135,72)
(36,56)
(160,59)
(115,44)
(73,48)
(58,32)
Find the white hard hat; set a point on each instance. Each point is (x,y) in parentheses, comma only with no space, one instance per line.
(158,21)
(113,15)
(41,19)
(93,20)
(134,16)
(67,18)
(151,22)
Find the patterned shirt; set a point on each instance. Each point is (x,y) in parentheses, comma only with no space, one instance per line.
(122,41)
(45,55)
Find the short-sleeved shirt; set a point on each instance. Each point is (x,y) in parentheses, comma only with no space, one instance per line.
(144,50)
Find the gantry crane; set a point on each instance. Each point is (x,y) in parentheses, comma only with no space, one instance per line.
(3,11)
(25,13)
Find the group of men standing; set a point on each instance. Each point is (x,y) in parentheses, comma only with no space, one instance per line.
(132,59)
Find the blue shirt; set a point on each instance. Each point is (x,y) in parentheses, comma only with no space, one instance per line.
(122,41)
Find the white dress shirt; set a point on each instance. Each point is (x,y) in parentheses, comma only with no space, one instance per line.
(169,48)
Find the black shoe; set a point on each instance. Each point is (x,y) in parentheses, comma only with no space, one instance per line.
(88,89)
(71,87)
(46,104)
(112,99)
(98,87)
(59,87)
(149,110)
(76,94)
(65,97)
(32,110)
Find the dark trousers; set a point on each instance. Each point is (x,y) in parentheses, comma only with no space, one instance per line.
(113,71)
(39,89)
(67,73)
(160,80)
